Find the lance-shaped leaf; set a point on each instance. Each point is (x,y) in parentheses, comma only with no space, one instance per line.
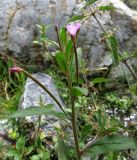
(106,8)
(113,46)
(77,91)
(76,18)
(61,60)
(112,143)
(36,111)
(69,49)
(100,80)
(90,2)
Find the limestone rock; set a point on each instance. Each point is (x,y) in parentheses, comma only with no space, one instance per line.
(18,19)
(123,19)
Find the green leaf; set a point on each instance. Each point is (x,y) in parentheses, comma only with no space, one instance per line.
(76,18)
(90,2)
(62,150)
(135,54)
(20,144)
(77,91)
(36,111)
(61,60)
(81,60)
(85,131)
(35,157)
(113,46)
(100,80)
(11,152)
(133,89)
(28,150)
(69,50)
(112,143)
(63,37)
(18,157)
(44,154)
(106,8)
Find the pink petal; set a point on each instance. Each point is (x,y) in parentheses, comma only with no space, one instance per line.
(15,69)
(73,28)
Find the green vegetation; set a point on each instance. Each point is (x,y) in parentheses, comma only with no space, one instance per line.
(94,116)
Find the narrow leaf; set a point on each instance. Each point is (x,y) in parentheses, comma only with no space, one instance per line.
(77,91)
(76,18)
(11,152)
(61,60)
(90,2)
(112,143)
(20,144)
(36,111)
(69,49)
(106,8)
(63,37)
(113,46)
(99,80)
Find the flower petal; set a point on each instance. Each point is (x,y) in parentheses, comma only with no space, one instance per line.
(73,28)
(15,69)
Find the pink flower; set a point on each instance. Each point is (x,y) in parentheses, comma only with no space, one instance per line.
(73,29)
(15,69)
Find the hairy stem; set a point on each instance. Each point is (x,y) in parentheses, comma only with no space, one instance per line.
(74,126)
(73,116)
(76,60)
(45,89)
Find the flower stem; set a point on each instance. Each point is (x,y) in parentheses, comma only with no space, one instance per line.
(73,116)
(45,89)
(74,126)
(76,60)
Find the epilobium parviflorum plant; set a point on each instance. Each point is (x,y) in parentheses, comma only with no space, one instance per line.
(95,134)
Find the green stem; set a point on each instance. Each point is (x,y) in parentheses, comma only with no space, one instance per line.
(129,68)
(45,89)
(74,124)
(89,144)
(39,122)
(76,60)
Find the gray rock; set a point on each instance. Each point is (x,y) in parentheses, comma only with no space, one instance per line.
(31,98)
(18,21)
(125,21)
